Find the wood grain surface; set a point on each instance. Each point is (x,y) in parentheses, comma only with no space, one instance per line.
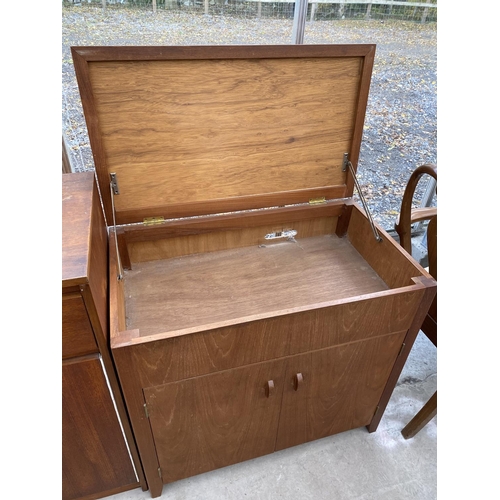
(77,191)
(234,221)
(98,265)
(202,242)
(77,335)
(213,421)
(171,359)
(195,130)
(94,454)
(203,289)
(85,241)
(209,422)
(394,265)
(204,130)
(340,389)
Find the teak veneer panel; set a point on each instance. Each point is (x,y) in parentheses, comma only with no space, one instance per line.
(223,129)
(76,224)
(94,454)
(84,241)
(204,241)
(339,389)
(212,421)
(387,258)
(77,334)
(202,130)
(204,289)
(209,422)
(197,354)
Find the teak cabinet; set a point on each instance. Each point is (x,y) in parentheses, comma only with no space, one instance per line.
(253,304)
(96,461)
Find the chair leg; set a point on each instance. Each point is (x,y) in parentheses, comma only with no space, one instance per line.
(425,415)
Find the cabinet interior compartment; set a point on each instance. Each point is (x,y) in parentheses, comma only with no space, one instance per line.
(189,279)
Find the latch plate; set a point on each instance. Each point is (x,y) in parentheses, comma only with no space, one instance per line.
(289,233)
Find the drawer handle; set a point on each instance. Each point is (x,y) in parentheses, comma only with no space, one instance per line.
(299,379)
(269,388)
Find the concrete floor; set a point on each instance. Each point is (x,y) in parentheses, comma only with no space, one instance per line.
(352,465)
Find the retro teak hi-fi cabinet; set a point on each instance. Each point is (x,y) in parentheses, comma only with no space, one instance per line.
(253,305)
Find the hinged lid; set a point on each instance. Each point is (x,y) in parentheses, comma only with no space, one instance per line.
(199,130)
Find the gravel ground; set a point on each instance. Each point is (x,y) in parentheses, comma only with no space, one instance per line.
(401,123)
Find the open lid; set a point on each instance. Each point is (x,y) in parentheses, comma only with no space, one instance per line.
(210,129)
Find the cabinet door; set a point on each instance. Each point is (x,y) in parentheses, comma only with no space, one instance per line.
(212,421)
(95,459)
(334,389)
(77,335)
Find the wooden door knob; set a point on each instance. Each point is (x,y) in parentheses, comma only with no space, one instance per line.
(269,388)
(298,379)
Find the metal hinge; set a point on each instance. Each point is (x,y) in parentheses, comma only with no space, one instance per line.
(146,410)
(345,162)
(114,184)
(151,221)
(317,201)
(401,350)
(376,410)
(113,188)
(347,166)
(159,471)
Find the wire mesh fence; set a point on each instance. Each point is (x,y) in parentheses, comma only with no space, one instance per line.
(421,11)
(400,129)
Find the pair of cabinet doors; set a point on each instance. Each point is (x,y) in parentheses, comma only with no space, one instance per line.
(211,421)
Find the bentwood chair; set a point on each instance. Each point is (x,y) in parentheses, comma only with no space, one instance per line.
(409,216)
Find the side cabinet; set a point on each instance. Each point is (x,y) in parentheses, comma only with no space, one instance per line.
(99,455)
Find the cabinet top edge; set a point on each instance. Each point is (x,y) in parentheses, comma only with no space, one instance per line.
(132,337)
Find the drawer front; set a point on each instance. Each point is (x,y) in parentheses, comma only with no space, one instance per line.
(77,335)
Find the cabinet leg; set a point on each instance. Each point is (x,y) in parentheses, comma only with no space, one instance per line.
(423,308)
(156,489)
